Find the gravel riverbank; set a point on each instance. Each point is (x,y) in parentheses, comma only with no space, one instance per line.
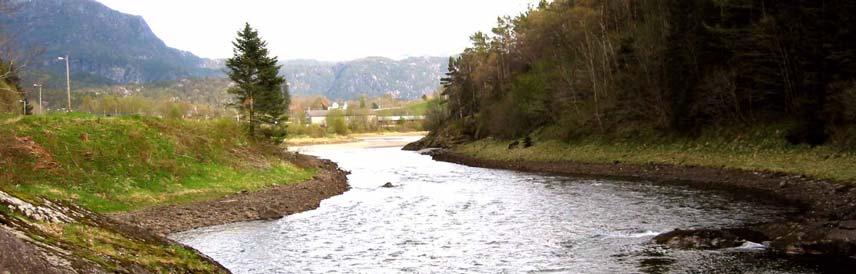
(268,204)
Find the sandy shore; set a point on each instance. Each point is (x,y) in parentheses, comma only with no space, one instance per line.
(353,138)
(367,141)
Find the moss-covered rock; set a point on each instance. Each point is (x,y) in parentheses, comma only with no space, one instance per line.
(43,236)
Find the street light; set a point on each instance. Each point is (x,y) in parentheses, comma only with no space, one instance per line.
(67,79)
(41,107)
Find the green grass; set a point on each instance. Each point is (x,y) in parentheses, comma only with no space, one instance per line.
(130,163)
(757,150)
(415,108)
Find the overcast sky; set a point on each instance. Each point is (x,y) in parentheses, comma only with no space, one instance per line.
(331,30)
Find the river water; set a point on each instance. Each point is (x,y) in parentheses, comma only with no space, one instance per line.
(448,218)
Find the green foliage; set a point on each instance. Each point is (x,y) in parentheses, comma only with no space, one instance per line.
(127,163)
(336,122)
(110,105)
(259,92)
(436,113)
(677,67)
(311,131)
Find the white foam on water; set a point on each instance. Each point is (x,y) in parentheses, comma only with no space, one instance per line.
(634,235)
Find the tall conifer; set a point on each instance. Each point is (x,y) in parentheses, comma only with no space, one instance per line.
(259,90)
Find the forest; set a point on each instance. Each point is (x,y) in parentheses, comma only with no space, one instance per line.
(639,69)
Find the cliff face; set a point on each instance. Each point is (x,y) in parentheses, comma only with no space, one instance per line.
(106,46)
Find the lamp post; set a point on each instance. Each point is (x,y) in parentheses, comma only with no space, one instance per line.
(41,107)
(67,79)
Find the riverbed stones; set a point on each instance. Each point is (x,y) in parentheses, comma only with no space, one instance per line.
(848,225)
(267,204)
(709,239)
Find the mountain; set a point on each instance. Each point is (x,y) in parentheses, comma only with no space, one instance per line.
(373,77)
(105,46)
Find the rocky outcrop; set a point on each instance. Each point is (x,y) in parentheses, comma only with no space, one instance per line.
(445,137)
(22,257)
(710,238)
(42,236)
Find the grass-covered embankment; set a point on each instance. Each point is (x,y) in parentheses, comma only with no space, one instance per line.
(756,150)
(50,165)
(128,163)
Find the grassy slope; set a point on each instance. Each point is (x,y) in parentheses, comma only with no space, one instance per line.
(129,163)
(759,150)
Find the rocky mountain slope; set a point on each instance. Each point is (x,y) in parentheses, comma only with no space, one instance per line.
(106,46)
(373,77)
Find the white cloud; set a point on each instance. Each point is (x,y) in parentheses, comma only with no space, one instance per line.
(332,30)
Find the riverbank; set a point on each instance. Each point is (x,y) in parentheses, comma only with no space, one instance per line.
(351,138)
(267,204)
(826,225)
(61,174)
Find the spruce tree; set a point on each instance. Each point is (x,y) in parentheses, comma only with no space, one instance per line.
(261,95)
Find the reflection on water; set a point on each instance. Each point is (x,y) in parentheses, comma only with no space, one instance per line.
(443,217)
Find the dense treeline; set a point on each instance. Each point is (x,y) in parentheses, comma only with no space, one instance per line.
(625,68)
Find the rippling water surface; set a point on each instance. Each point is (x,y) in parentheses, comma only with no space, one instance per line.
(449,218)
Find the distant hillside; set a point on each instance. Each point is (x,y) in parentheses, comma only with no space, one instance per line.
(106,46)
(374,76)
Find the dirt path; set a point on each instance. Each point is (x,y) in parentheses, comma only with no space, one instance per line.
(826,226)
(269,204)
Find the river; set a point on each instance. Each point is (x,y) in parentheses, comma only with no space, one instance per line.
(448,218)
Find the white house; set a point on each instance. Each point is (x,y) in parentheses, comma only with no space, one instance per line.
(317,117)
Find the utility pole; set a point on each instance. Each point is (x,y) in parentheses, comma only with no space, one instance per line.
(67,80)
(41,107)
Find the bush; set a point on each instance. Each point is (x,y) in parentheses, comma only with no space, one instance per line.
(435,114)
(313,131)
(276,133)
(336,122)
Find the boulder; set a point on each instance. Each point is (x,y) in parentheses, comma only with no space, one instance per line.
(709,239)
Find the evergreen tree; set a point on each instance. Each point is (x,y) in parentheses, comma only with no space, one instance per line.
(261,94)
